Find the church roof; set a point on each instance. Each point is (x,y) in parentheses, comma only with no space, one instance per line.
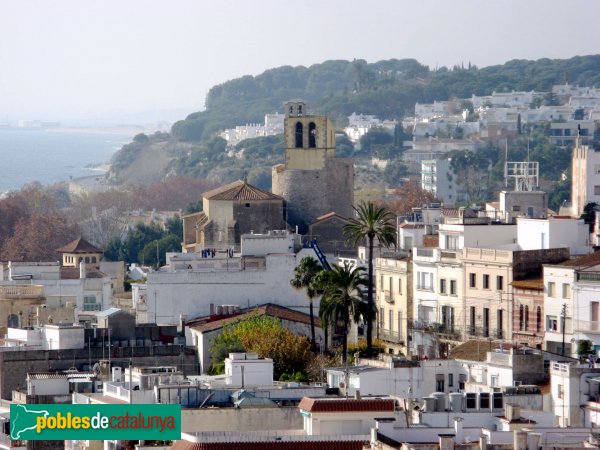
(240,190)
(78,246)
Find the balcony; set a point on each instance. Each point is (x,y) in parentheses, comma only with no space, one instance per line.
(391,336)
(586,326)
(593,277)
(388,297)
(21,291)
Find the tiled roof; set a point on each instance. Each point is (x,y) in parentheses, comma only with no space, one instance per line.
(78,246)
(590,260)
(347,405)
(450,212)
(240,190)
(329,215)
(58,375)
(69,273)
(205,324)
(276,445)
(536,284)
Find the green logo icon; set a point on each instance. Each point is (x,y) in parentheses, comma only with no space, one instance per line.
(95,422)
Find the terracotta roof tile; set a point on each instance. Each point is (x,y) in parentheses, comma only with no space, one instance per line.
(347,405)
(476,349)
(412,226)
(205,324)
(329,215)
(239,190)
(536,284)
(78,246)
(590,260)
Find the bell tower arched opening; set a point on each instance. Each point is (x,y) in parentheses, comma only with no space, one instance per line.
(299,137)
(312,135)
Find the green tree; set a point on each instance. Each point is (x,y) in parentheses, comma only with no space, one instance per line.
(343,299)
(305,274)
(394,172)
(371,222)
(267,337)
(174,225)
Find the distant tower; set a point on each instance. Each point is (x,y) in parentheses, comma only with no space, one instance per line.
(312,180)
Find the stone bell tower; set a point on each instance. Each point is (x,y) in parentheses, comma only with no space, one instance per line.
(312,180)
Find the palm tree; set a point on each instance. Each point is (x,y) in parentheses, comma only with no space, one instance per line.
(304,278)
(371,222)
(343,298)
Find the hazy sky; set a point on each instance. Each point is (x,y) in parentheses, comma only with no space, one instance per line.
(96,59)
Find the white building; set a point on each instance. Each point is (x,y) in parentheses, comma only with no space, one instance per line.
(47,337)
(438,177)
(247,369)
(553,232)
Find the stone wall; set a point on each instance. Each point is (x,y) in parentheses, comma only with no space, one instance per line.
(312,193)
(330,235)
(240,419)
(14,365)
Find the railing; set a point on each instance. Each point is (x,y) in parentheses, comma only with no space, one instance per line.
(388,297)
(584,325)
(21,291)
(391,336)
(425,252)
(485,332)
(445,254)
(588,276)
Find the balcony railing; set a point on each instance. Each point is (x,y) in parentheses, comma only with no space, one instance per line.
(492,333)
(588,276)
(388,297)
(21,291)
(391,336)
(425,252)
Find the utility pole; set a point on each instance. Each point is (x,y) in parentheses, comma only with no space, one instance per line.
(564,317)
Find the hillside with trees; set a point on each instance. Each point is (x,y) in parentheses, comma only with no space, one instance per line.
(388,89)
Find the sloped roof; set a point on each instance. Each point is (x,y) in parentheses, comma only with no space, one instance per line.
(205,324)
(590,260)
(240,190)
(476,349)
(78,246)
(411,226)
(536,284)
(347,405)
(327,216)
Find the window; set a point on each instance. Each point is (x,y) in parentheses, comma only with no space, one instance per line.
(299,132)
(439,382)
(89,303)
(596,190)
(312,135)
(450,379)
(381,282)
(551,288)
(399,323)
(494,380)
(472,319)
(452,242)
(443,286)
(521,317)
(381,311)
(448,318)
(566,290)
(551,323)
(399,285)
(486,281)
(538,319)
(486,322)
(499,324)
(516,208)
(526,317)
(560,391)
(472,280)
(425,281)
(391,320)
(499,282)
(452,287)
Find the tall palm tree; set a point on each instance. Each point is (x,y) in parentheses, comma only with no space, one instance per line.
(343,298)
(371,222)
(304,278)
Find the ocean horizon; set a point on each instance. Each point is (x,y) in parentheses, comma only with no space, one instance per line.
(55,155)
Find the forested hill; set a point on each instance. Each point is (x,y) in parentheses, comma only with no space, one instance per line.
(388,89)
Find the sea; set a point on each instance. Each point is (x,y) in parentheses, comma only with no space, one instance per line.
(55,155)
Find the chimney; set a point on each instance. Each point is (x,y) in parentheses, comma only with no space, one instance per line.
(520,440)
(483,442)
(212,309)
(512,412)
(357,394)
(447,441)
(458,428)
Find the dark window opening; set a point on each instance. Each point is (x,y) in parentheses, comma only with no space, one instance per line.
(312,135)
(299,131)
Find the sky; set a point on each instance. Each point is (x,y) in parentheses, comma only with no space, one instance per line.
(103,60)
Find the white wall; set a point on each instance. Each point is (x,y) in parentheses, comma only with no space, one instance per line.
(488,236)
(190,293)
(248,372)
(60,338)
(558,275)
(534,234)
